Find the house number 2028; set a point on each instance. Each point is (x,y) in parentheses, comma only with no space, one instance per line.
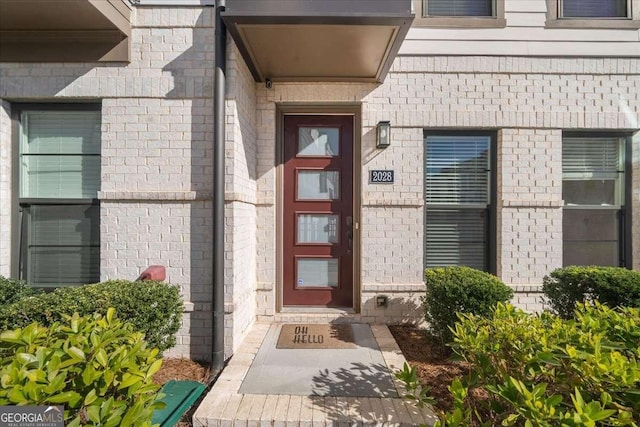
(381,177)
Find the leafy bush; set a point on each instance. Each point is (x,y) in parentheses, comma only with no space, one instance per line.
(12,290)
(95,366)
(153,308)
(541,370)
(452,290)
(613,286)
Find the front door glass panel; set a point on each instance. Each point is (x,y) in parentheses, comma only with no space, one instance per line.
(318,228)
(318,142)
(317,272)
(318,185)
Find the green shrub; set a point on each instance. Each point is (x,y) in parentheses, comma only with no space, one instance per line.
(613,286)
(452,290)
(12,290)
(97,367)
(541,370)
(153,308)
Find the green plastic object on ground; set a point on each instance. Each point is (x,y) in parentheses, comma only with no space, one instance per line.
(179,396)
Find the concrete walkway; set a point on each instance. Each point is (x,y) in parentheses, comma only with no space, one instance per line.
(264,386)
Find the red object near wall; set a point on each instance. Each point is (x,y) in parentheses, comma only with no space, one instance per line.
(153,272)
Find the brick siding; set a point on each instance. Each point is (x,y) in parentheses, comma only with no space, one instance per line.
(157,127)
(5,188)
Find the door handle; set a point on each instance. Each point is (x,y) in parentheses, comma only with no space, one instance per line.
(350,233)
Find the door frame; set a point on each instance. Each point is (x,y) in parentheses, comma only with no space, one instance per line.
(320,109)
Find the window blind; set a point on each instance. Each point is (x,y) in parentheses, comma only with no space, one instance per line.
(457,177)
(457,170)
(60,154)
(592,171)
(594,8)
(591,157)
(60,160)
(63,244)
(592,189)
(459,7)
(456,237)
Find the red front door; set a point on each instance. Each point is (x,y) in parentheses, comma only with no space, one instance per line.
(318,211)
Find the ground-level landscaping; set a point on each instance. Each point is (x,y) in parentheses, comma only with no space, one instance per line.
(181,369)
(532,370)
(575,365)
(432,361)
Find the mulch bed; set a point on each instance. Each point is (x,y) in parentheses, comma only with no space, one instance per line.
(183,369)
(432,361)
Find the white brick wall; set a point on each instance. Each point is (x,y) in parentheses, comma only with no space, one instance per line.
(392,244)
(531,244)
(404,303)
(157,122)
(5,188)
(156,161)
(529,201)
(529,298)
(136,234)
(530,171)
(240,187)
(156,145)
(393,215)
(156,183)
(555,99)
(530,100)
(240,277)
(404,157)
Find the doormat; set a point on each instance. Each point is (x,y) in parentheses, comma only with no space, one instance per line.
(313,336)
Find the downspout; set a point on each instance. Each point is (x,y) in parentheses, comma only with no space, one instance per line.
(217,359)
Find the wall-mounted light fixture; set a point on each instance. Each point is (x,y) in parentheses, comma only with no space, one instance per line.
(383,134)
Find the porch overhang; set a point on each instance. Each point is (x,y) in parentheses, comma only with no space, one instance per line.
(318,40)
(64,30)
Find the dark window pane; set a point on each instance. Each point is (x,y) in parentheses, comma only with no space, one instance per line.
(591,253)
(63,245)
(64,266)
(456,237)
(594,8)
(591,237)
(459,8)
(592,192)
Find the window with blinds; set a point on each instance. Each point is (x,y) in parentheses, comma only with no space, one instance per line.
(59,180)
(593,9)
(593,192)
(458,7)
(457,200)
